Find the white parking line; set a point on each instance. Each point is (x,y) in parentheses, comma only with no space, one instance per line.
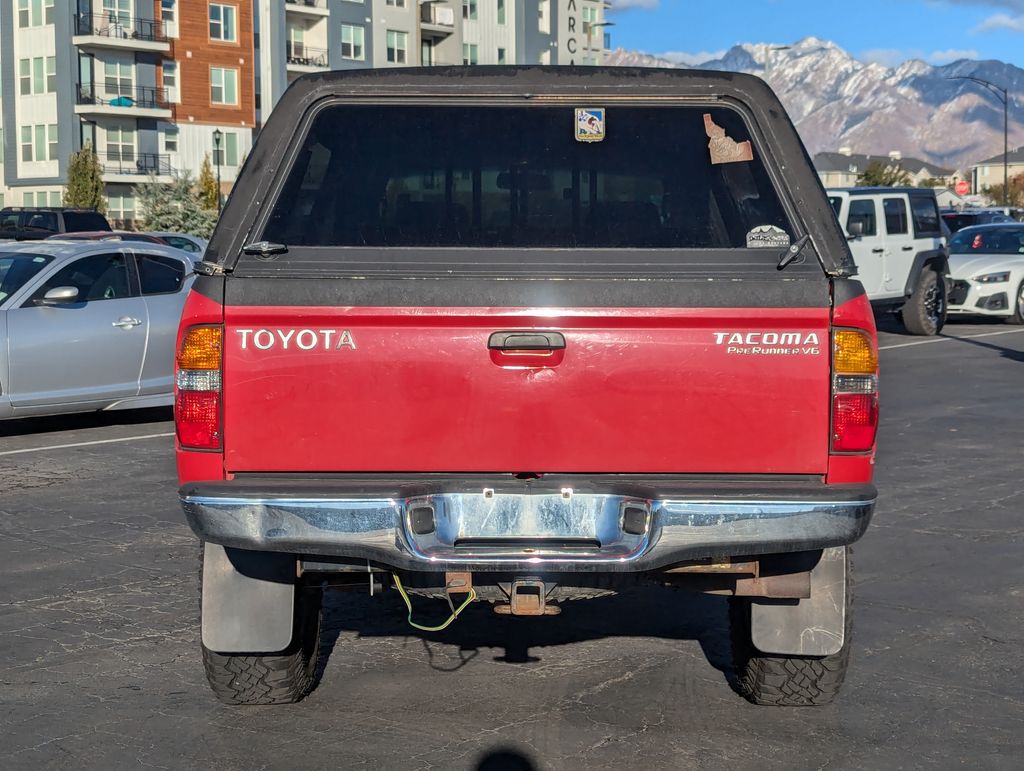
(86,444)
(948,339)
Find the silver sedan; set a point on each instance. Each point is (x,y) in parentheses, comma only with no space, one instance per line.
(88,325)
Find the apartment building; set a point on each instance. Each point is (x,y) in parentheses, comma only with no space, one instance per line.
(145,82)
(296,37)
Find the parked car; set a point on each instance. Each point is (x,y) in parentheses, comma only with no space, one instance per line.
(590,360)
(194,245)
(986,264)
(898,243)
(27,223)
(108,235)
(88,326)
(964,218)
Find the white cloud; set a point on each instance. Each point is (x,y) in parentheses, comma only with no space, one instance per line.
(887,57)
(622,5)
(683,57)
(1013,5)
(1001,21)
(894,57)
(951,55)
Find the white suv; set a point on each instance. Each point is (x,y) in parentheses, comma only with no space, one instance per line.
(899,246)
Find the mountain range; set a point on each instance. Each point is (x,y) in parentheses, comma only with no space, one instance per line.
(836,101)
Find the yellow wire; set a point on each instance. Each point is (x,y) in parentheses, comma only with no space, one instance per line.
(408,604)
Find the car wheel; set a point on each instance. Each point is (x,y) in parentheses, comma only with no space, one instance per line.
(1018,308)
(925,312)
(271,678)
(786,681)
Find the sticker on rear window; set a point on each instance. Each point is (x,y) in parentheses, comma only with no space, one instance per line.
(767,237)
(723,149)
(590,124)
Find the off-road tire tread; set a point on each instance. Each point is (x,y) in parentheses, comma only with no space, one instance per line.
(786,681)
(267,679)
(913,314)
(264,679)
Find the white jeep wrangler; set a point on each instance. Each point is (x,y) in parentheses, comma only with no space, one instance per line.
(899,246)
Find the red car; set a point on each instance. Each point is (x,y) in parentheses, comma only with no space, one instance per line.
(527,335)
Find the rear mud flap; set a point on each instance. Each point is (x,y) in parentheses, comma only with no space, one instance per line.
(811,627)
(248,600)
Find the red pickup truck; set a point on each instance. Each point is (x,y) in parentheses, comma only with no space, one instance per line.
(524,335)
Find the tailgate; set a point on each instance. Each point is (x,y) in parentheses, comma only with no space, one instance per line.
(634,390)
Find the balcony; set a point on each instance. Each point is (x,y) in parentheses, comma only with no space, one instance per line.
(123,101)
(128,166)
(303,58)
(307,7)
(117,31)
(436,20)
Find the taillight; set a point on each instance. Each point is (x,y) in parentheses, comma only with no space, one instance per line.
(854,391)
(197,403)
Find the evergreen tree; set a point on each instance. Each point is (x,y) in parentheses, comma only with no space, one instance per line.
(879,174)
(207,185)
(175,207)
(85,181)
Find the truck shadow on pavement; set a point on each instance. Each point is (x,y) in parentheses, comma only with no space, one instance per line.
(84,420)
(656,612)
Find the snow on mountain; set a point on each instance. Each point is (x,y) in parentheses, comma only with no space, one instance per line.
(838,101)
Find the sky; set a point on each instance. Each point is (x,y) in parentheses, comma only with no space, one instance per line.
(884,31)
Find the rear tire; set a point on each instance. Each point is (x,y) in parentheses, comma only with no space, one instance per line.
(1018,313)
(786,681)
(925,312)
(272,678)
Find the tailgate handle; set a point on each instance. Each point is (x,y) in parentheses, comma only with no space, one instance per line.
(526,341)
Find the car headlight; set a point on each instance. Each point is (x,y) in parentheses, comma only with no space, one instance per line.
(993,278)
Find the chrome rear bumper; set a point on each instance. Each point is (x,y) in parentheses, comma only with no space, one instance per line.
(500,531)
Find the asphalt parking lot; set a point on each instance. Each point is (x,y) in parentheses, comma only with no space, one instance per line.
(99,664)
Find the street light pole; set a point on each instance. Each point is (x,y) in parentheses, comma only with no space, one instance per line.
(1004,97)
(217,136)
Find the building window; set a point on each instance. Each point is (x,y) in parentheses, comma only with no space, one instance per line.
(118,11)
(501,11)
(26,144)
(169,10)
(37,75)
(470,53)
(55,198)
(25,76)
(397,46)
(223,85)
(223,24)
(501,56)
(543,21)
(396,3)
(118,78)
(170,139)
(121,207)
(469,10)
(170,79)
(120,143)
(39,143)
(35,13)
(352,42)
(227,155)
